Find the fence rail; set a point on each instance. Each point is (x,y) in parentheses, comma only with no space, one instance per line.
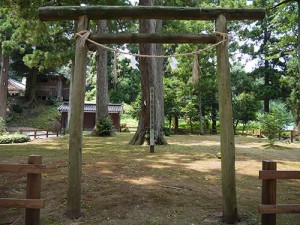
(268,209)
(35,132)
(32,203)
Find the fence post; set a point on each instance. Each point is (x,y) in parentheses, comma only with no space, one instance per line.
(33,191)
(268,193)
(47,133)
(34,133)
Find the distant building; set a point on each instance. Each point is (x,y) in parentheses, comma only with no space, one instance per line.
(52,85)
(15,88)
(89,120)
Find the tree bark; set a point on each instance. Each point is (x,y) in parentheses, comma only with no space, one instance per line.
(76,126)
(30,92)
(297,106)
(4,66)
(151,76)
(230,214)
(102,97)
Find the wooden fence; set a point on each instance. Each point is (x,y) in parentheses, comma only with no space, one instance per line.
(35,132)
(268,209)
(259,133)
(32,203)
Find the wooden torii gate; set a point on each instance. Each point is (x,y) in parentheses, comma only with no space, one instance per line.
(82,14)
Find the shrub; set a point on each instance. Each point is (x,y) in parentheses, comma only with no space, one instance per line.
(104,126)
(14,138)
(2,125)
(17,108)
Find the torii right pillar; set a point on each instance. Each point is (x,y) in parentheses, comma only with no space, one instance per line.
(230,214)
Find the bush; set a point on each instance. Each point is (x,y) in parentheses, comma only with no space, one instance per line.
(14,138)
(17,108)
(2,125)
(104,127)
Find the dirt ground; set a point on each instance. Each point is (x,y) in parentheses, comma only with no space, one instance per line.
(179,184)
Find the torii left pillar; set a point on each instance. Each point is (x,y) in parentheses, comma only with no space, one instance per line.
(76,125)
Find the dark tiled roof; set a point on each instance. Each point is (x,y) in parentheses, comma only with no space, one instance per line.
(91,107)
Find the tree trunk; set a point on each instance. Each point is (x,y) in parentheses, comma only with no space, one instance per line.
(200,116)
(102,97)
(151,76)
(4,66)
(297,106)
(176,123)
(30,92)
(214,116)
(230,214)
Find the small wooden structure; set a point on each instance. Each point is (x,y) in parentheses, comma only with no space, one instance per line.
(32,203)
(52,85)
(89,118)
(268,209)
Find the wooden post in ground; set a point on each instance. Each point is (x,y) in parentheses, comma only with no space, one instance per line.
(76,125)
(226,126)
(33,191)
(268,196)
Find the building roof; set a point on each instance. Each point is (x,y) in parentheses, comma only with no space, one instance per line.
(91,107)
(18,85)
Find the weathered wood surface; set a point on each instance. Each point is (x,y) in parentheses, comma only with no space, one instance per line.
(268,196)
(76,125)
(279,208)
(55,13)
(33,191)
(22,168)
(273,174)
(153,38)
(22,203)
(226,129)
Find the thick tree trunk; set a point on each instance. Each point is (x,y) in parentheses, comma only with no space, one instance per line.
(4,66)
(230,214)
(30,92)
(151,76)
(102,97)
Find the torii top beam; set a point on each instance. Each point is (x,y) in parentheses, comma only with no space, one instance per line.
(55,13)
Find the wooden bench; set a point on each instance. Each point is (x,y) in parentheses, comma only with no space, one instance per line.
(32,203)
(268,209)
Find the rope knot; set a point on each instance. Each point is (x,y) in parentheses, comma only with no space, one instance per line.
(83,35)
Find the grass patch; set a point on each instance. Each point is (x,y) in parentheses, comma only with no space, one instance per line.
(124,184)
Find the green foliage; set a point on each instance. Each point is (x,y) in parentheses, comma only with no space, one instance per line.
(245,108)
(2,125)
(13,138)
(17,108)
(273,122)
(104,127)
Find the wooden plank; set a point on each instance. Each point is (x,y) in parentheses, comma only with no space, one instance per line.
(55,13)
(33,191)
(280,208)
(153,38)
(22,168)
(22,203)
(268,196)
(274,174)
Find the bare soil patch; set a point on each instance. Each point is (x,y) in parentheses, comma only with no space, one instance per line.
(179,184)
